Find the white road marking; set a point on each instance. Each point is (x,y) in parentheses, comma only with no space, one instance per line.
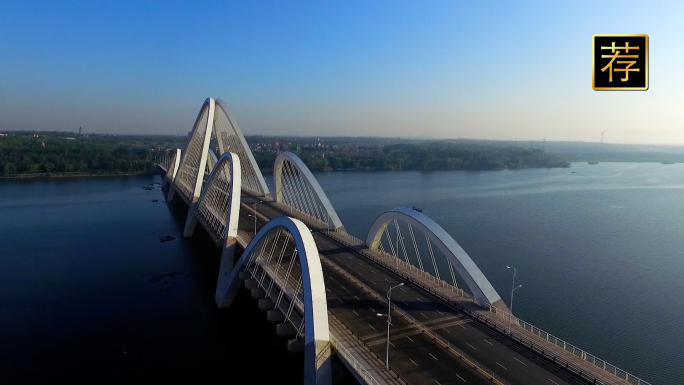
(357,297)
(437,382)
(489,342)
(461,326)
(404,302)
(500,365)
(420,300)
(355,312)
(410,339)
(373,310)
(440,312)
(554,381)
(342,286)
(446,330)
(392,344)
(387,280)
(433,356)
(371,326)
(374,283)
(519,361)
(470,345)
(460,377)
(341,300)
(414,362)
(423,315)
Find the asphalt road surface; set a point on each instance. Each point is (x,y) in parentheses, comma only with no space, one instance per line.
(416,357)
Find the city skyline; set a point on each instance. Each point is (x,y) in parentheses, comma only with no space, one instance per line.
(438,70)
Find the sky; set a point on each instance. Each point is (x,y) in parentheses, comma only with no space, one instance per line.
(438,69)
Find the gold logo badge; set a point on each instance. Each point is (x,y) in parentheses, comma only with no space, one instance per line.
(620,62)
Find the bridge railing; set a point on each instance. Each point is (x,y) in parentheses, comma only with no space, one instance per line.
(597,362)
(473,363)
(590,358)
(340,235)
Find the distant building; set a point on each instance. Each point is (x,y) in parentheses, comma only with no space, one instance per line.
(70,138)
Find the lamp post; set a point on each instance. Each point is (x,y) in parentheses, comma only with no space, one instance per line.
(513,289)
(389,320)
(255,223)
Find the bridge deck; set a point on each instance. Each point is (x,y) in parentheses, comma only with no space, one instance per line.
(515,364)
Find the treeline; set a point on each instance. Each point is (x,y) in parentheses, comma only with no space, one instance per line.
(424,156)
(56,153)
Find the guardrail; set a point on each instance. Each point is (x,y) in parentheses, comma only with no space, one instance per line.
(579,353)
(360,370)
(458,352)
(599,363)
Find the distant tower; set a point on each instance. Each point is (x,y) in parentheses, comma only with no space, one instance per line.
(79,130)
(544,144)
(602,136)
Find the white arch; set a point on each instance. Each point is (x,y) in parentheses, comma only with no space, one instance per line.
(219,203)
(316,332)
(194,161)
(230,138)
(171,174)
(318,204)
(482,290)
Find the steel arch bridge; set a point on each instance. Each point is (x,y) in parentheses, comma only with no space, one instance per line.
(282,264)
(295,280)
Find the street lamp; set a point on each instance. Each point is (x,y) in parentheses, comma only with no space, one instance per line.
(389,319)
(255,223)
(513,289)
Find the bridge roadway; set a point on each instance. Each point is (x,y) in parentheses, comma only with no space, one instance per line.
(415,356)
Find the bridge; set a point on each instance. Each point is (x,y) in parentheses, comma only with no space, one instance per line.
(405,305)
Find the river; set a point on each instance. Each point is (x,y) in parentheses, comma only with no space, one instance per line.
(87,290)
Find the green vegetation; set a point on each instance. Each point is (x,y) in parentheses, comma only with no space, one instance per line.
(432,155)
(64,153)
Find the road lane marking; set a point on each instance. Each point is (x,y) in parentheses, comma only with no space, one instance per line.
(437,382)
(414,362)
(374,283)
(462,326)
(342,286)
(470,345)
(410,339)
(420,300)
(404,302)
(500,365)
(392,344)
(371,326)
(423,315)
(357,298)
(355,312)
(489,342)
(386,279)
(440,312)
(446,330)
(373,310)
(433,356)
(460,377)
(341,300)
(554,381)
(519,361)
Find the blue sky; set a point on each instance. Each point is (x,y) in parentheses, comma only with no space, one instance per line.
(445,69)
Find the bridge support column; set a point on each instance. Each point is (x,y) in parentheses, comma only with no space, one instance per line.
(191,221)
(275,316)
(258,293)
(223,298)
(285,329)
(251,284)
(266,304)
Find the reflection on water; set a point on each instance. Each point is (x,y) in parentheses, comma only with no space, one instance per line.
(87,290)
